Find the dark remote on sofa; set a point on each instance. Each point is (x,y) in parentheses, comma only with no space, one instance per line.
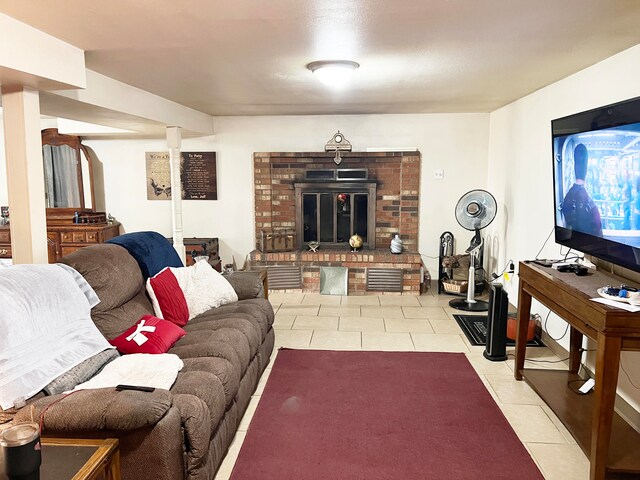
(134,387)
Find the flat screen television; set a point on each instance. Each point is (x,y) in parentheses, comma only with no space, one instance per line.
(596,174)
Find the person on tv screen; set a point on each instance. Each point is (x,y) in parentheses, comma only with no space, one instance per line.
(578,209)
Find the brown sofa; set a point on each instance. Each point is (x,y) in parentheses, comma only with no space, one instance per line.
(167,434)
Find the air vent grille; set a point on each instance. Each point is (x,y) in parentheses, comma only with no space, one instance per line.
(384,279)
(282,277)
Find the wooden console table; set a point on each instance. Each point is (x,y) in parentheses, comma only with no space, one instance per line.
(610,443)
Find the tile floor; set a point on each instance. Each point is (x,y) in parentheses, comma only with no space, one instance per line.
(425,324)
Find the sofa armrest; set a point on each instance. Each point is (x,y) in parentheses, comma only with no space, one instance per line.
(99,409)
(246,284)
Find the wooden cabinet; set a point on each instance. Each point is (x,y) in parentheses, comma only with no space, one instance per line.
(65,239)
(5,241)
(207,247)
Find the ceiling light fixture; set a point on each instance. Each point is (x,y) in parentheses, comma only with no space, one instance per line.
(334,73)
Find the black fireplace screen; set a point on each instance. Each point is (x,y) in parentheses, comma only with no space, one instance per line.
(331,212)
(333,217)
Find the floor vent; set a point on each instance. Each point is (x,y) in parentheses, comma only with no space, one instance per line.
(283,277)
(384,279)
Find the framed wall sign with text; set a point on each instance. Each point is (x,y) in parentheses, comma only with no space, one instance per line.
(197,175)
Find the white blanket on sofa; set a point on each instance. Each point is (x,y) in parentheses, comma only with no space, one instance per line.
(45,328)
(138,369)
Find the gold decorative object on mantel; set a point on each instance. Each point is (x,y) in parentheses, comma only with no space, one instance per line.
(338,143)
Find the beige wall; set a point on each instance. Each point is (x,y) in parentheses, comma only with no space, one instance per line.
(456,143)
(520,175)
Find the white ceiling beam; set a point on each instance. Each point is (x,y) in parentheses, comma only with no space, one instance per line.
(29,57)
(124,106)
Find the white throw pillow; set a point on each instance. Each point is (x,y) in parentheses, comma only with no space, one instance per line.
(203,288)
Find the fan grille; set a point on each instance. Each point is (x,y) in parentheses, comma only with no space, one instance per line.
(476,210)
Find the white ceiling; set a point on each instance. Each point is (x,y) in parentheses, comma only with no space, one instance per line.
(243,57)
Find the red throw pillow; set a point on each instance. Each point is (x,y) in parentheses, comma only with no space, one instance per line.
(167,298)
(149,335)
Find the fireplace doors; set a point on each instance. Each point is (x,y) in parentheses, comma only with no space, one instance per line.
(331,212)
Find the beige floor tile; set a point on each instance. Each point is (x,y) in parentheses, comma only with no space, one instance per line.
(430,313)
(248,414)
(445,326)
(340,310)
(436,342)
(406,325)
(283,322)
(272,359)
(293,338)
(560,462)
(512,391)
(435,300)
(490,389)
(304,322)
(532,424)
(558,423)
(224,472)
(317,299)
(361,324)
(381,312)
(399,300)
(386,341)
(336,340)
(278,297)
(481,365)
(286,309)
(262,383)
(360,300)
(275,306)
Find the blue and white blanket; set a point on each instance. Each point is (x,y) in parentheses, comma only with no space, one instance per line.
(45,327)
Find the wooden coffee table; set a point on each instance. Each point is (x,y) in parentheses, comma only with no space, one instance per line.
(76,459)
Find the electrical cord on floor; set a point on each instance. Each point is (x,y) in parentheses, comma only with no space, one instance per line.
(540,361)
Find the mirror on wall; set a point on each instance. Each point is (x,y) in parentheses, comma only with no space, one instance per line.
(68,173)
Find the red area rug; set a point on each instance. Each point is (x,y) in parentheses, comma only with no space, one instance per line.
(379,415)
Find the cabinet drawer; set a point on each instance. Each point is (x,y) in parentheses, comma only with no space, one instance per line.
(74,237)
(92,237)
(5,251)
(5,237)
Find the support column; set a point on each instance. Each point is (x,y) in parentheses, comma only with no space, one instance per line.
(25,175)
(174,137)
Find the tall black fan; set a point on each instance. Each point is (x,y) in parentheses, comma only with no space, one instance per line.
(474,211)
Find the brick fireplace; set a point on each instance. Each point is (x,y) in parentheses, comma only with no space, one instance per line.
(389,192)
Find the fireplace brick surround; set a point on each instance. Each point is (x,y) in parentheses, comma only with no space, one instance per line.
(397,175)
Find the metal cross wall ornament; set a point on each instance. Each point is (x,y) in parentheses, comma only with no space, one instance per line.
(338,143)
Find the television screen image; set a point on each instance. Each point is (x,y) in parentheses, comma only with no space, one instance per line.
(597,183)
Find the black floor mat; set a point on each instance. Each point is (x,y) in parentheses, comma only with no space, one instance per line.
(475,328)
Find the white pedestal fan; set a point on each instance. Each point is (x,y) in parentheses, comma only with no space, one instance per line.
(474,211)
